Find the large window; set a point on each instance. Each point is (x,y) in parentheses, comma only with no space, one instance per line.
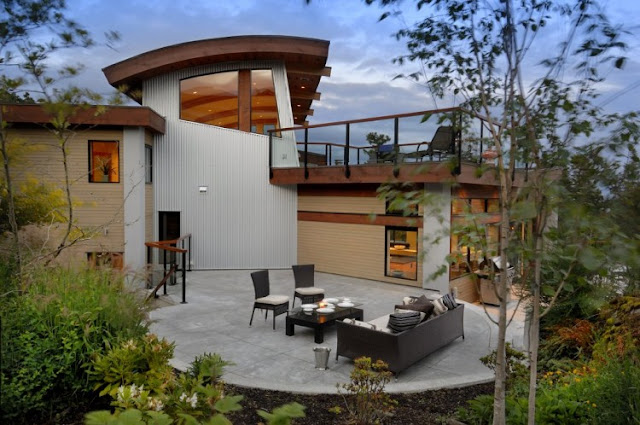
(211,99)
(264,110)
(402,253)
(104,161)
(243,100)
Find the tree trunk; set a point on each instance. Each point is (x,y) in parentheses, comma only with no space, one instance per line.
(534,333)
(10,196)
(499,404)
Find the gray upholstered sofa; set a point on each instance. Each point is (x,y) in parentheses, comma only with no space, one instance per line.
(400,350)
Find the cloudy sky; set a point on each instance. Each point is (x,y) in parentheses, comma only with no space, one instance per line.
(360,52)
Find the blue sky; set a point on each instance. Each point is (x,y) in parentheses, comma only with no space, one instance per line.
(360,52)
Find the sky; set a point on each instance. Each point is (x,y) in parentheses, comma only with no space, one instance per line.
(361,48)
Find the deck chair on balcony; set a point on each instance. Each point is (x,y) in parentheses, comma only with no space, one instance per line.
(443,142)
(305,289)
(278,304)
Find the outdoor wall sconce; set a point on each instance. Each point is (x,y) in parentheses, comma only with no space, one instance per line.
(203,189)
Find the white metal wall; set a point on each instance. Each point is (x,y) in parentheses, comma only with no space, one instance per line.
(134,197)
(241,221)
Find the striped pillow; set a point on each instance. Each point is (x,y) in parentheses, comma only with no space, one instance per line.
(399,322)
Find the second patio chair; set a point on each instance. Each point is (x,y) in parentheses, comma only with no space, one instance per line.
(305,289)
(264,300)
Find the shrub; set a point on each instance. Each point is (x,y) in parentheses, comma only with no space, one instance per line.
(50,332)
(366,401)
(145,389)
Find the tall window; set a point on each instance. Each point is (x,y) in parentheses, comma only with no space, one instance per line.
(402,252)
(264,109)
(148,164)
(104,161)
(243,100)
(211,99)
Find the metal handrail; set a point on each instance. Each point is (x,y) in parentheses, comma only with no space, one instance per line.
(170,273)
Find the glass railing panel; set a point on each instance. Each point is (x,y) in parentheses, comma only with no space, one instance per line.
(371,142)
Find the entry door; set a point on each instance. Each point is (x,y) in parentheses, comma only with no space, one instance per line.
(169,225)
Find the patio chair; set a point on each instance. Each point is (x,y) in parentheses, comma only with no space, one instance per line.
(305,289)
(264,300)
(442,142)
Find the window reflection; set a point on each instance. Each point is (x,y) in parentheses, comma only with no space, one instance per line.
(402,253)
(264,109)
(211,99)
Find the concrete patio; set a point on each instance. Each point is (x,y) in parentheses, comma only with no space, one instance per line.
(216,320)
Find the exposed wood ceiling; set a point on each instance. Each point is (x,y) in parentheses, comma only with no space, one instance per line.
(304,58)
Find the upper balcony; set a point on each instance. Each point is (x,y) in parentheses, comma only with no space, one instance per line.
(444,145)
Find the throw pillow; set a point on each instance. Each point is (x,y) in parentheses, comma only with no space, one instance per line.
(415,300)
(427,309)
(439,307)
(399,322)
(400,309)
(361,324)
(449,301)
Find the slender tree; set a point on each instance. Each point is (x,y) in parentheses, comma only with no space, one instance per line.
(539,103)
(30,32)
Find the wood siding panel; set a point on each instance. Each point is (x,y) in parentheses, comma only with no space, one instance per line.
(466,288)
(347,249)
(98,206)
(341,204)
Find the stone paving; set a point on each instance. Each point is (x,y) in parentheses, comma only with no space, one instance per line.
(216,320)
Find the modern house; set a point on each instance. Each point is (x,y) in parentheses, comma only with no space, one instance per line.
(221,148)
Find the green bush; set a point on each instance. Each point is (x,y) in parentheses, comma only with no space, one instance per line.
(366,401)
(145,389)
(51,331)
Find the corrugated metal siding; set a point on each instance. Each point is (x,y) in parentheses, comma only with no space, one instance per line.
(242,221)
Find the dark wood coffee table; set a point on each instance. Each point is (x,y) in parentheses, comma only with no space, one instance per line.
(319,321)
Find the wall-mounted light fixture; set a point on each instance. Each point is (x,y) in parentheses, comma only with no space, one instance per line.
(203,189)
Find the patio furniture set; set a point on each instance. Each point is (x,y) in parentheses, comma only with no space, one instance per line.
(415,329)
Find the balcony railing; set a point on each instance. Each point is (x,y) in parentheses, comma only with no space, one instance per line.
(451,134)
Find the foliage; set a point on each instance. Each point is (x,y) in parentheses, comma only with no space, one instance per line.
(50,332)
(375,140)
(601,385)
(516,368)
(145,389)
(135,362)
(207,367)
(366,401)
(282,415)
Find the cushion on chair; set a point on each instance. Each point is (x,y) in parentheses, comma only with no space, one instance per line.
(273,299)
(309,290)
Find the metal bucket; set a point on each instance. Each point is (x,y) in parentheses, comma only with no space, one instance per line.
(322,357)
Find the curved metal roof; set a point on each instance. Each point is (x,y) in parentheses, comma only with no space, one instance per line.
(305,60)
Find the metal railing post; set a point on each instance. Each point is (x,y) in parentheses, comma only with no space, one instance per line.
(306,149)
(184,278)
(396,147)
(481,138)
(347,170)
(189,252)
